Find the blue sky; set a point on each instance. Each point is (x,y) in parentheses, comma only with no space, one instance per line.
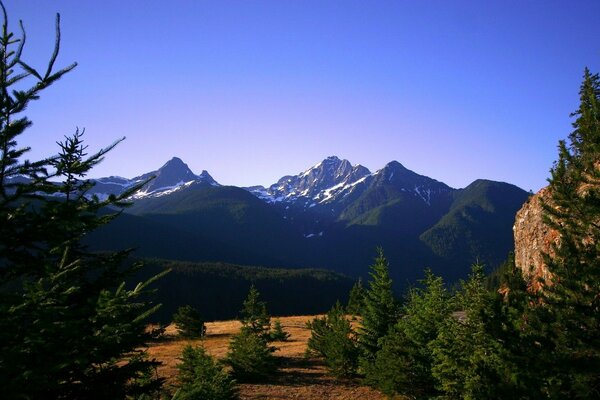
(254,90)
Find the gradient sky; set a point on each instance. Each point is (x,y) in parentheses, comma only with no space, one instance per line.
(254,90)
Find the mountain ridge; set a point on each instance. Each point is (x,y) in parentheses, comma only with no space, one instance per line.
(332,215)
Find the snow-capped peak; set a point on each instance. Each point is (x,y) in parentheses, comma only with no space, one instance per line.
(317,184)
(172,176)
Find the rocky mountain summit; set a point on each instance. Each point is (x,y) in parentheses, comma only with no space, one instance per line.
(172,176)
(337,189)
(319,184)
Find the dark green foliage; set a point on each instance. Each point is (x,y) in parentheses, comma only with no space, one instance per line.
(524,335)
(218,290)
(469,361)
(333,339)
(356,299)
(188,322)
(403,365)
(496,278)
(572,295)
(255,317)
(229,223)
(250,357)
(478,224)
(277,334)
(380,311)
(69,328)
(202,378)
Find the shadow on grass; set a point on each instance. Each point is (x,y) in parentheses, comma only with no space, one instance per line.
(300,371)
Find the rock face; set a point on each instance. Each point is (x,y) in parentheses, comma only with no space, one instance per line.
(533,239)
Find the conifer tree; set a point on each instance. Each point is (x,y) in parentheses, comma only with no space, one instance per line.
(202,378)
(524,335)
(379,312)
(69,328)
(571,298)
(333,339)
(255,316)
(278,334)
(250,357)
(469,361)
(188,322)
(403,365)
(356,299)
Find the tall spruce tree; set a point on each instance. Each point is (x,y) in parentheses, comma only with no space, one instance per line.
(469,360)
(255,316)
(571,298)
(403,365)
(380,310)
(356,298)
(250,356)
(69,329)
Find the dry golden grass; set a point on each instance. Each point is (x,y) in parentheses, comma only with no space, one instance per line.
(297,378)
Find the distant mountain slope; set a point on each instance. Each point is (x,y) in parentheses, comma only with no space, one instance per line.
(333,215)
(230,215)
(478,225)
(399,199)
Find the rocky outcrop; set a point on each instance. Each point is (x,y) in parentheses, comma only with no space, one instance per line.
(533,239)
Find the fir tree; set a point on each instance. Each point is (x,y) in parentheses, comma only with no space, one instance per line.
(255,316)
(188,322)
(524,335)
(278,334)
(250,357)
(333,339)
(202,378)
(69,328)
(379,312)
(356,299)
(571,297)
(469,361)
(403,365)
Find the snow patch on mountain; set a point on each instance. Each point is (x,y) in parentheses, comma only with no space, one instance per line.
(173,176)
(320,184)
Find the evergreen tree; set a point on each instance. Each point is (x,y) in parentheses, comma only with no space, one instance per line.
(278,334)
(379,312)
(571,297)
(254,314)
(69,329)
(523,334)
(469,361)
(333,339)
(403,365)
(250,357)
(202,378)
(188,322)
(356,299)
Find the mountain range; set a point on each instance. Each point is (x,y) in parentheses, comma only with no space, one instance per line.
(333,215)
